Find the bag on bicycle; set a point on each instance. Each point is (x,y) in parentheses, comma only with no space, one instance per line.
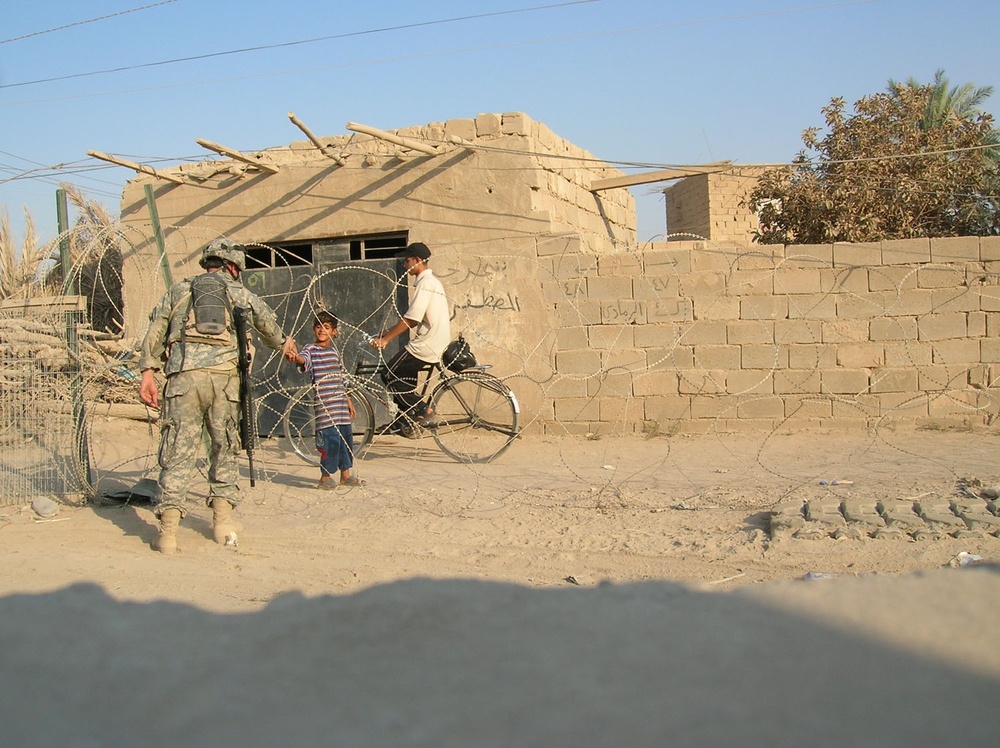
(458,356)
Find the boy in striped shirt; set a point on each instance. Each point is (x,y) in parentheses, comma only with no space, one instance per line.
(334,409)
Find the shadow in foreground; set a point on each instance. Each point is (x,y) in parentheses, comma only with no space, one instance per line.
(470,663)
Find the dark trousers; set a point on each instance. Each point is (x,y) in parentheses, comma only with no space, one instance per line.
(400,378)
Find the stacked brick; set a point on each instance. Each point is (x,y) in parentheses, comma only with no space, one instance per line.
(711,206)
(688,210)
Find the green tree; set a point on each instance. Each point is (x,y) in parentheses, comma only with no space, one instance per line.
(916,161)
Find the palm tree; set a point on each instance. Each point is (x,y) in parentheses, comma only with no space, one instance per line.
(943,101)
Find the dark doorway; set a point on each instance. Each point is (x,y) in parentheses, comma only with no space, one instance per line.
(367,296)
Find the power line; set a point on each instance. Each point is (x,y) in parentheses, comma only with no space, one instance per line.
(426,55)
(57,179)
(735,167)
(281,45)
(81,23)
(54,174)
(624,164)
(678,24)
(421,56)
(895,156)
(969,191)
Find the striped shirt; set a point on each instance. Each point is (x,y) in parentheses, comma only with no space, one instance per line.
(324,367)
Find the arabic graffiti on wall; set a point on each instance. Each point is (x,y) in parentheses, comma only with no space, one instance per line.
(487,285)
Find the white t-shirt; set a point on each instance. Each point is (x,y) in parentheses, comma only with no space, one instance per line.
(429,309)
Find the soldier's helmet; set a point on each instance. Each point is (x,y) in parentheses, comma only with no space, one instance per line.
(224,250)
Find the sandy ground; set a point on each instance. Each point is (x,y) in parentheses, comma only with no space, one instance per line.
(619,591)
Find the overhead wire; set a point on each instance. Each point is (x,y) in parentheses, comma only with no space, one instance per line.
(627,164)
(54,174)
(573,37)
(82,23)
(280,45)
(936,193)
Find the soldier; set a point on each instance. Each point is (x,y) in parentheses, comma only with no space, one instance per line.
(192,338)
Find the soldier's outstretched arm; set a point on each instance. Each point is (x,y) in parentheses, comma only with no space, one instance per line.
(290,350)
(265,322)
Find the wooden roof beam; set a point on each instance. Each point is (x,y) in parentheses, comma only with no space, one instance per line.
(236,155)
(323,148)
(659,176)
(141,168)
(413,145)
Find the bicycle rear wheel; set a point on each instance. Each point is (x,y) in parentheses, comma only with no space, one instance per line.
(476,417)
(299,422)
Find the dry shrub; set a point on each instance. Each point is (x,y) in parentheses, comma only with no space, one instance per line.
(19,262)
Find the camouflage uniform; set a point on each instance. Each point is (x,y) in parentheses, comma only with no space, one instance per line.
(202,391)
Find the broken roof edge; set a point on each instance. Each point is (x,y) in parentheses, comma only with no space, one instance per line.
(491,131)
(511,133)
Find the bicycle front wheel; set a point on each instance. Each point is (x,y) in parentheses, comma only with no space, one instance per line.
(476,417)
(299,423)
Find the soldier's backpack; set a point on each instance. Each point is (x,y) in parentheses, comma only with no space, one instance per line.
(210,313)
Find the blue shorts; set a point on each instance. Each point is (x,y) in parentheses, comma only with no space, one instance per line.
(336,448)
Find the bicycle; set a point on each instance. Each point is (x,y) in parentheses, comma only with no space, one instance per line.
(475,413)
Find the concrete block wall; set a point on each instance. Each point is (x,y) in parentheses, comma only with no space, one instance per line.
(691,337)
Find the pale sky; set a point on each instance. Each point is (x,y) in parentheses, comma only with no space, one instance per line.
(644,82)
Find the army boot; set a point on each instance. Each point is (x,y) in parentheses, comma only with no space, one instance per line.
(170,520)
(223,528)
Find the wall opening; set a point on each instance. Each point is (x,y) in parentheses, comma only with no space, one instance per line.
(307,254)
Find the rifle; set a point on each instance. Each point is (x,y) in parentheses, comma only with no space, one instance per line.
(248,417)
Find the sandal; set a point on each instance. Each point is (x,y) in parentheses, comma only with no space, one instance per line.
(352,481)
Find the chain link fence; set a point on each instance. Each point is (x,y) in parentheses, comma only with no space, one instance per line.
(43,446)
